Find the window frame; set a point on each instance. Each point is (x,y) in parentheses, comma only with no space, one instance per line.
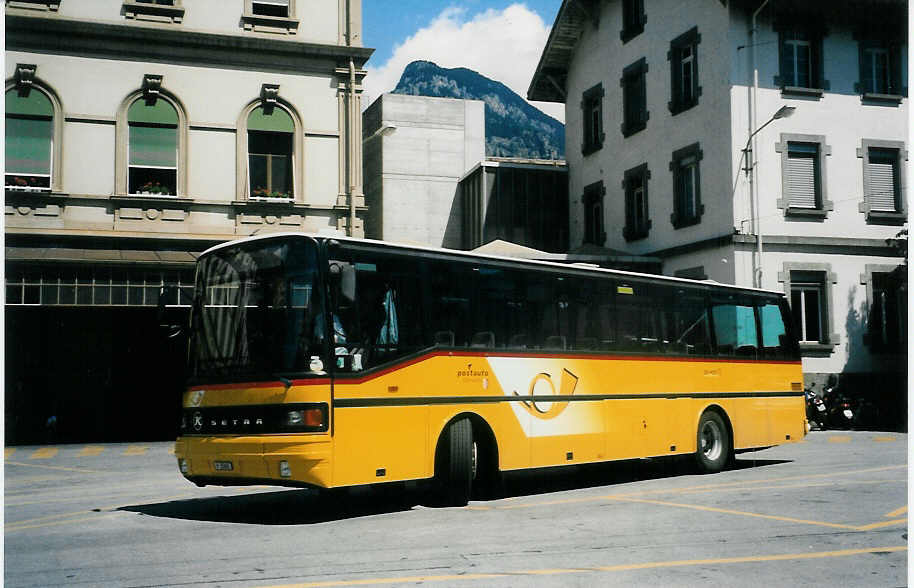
(594,214)
(148,11)
(868,42)
(787,76)
(634,229)
(688,40)
(122,142)
(592,117)
(822,275)
(900,215)
(679,218)
(823,204)
(868,280)
(242,171)
(633,19)
(260,23)
(35,84)
(634,80)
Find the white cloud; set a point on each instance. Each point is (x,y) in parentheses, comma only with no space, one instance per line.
(504,45)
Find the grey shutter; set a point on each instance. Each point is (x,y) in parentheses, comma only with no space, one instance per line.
(801,181)
(881,190)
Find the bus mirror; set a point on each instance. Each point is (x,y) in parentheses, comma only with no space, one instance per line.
(169,318)
(342,275)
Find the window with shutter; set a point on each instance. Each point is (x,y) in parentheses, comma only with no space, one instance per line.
(882,190)
(803,175)
(634,98)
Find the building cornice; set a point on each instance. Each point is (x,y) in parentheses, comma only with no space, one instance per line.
(174,45)
(848,245)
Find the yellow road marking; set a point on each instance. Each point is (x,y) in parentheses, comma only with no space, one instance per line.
(839,439)
(9,451)
(136,450)
(615,568)
(733,512)
(882,524)
(897,512)
(44,453)
(17,527)
(61,468)
(884,439)
(90,451)
(171,451)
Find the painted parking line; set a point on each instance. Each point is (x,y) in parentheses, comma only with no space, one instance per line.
(897,512)
(600,569)
(839,439)
(9,451)
(44,453)
(136,450)
(884,439)
(90,451)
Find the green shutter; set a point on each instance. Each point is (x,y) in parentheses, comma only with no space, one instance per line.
(153,134)
(160,113)
(278,121)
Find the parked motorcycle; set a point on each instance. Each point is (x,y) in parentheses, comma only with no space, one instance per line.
(838,408)
(815,409)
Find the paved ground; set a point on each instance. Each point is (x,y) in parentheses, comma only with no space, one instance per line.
(829,511)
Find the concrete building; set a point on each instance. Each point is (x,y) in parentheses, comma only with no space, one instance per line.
(674,151)
(416,148)
(138,134)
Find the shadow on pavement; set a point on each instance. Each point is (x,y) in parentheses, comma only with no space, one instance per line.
(302,507)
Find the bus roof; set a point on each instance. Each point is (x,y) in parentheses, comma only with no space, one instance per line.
(584,268)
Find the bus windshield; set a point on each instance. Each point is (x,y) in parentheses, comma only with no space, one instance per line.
(257,310)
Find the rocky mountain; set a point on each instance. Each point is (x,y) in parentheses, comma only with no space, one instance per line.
(514,128)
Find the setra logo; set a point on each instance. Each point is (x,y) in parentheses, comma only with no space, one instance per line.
(549,405)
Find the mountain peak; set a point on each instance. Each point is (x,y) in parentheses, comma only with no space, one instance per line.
(514,128)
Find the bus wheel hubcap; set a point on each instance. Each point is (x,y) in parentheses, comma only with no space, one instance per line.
(711,444)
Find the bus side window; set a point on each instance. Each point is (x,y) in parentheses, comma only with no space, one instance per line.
(735,331)
(690,331)
(450,290)
(775,342)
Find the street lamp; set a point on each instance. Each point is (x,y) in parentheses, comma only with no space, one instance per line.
(782,112)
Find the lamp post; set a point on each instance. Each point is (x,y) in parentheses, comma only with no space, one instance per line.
(782,112)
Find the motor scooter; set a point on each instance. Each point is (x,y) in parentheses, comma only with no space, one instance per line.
(815,409)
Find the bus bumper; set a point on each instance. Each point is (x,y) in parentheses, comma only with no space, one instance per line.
(272,460)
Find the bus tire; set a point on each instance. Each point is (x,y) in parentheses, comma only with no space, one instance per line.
(456,472)
(713,452)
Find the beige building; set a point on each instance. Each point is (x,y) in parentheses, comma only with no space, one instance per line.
(680,147)
(139,133)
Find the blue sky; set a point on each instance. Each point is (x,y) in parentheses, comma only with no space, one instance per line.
(386,23)
(501,39)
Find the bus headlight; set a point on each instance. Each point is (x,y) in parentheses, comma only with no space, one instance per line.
(183,465)
(308,418)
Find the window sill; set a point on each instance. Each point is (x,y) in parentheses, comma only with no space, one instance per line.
(47,5)
(632,234)
(816,349)
(681,223)
(892,99)
(629,130)
(798,91)
(677,107)
(153,12)
(270,24)
(628,34)
(152,199)
(806,213)
(588,149)
(28,189)
(874,217)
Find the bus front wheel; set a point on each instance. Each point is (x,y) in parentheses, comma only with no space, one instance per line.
(713,443)
(457,466)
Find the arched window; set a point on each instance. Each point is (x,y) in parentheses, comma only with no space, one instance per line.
(29,140)
(152,167)
(270,153)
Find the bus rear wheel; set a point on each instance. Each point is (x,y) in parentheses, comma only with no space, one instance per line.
(457,466)
(713,443)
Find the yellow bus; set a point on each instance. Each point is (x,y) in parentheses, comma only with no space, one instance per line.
(329,362)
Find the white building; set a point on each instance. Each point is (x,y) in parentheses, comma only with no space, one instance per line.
(138,134)
(661,101)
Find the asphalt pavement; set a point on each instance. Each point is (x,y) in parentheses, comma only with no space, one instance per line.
(829,511)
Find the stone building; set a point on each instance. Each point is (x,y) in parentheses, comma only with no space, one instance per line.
(138,134)
(755,143)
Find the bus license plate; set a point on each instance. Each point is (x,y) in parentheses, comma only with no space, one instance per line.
(222,466)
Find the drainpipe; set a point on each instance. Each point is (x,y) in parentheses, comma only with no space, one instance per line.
(353,150)
(750,164)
